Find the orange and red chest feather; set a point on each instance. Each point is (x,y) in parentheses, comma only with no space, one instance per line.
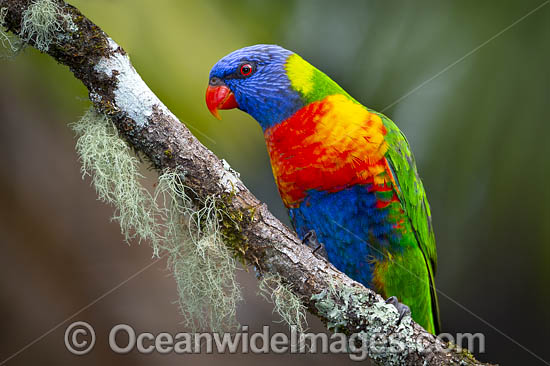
(327,145)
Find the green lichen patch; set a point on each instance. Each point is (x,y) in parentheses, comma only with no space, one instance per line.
(382,337)
(231,227)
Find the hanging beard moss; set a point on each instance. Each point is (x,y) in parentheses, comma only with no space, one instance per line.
(10,42)
(285,302)
(44,22)
(200,261)
(107,159)
(189,236)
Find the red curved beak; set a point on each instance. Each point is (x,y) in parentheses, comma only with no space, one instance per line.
(219,97)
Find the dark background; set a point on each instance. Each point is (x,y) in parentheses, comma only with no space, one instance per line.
(479,131)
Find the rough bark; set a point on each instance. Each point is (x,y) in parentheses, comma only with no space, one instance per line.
(257,236)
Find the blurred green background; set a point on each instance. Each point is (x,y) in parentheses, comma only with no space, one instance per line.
(479,132)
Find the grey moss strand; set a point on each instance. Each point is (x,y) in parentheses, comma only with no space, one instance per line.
(117,91)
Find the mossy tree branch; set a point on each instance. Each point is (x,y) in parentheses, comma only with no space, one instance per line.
(256,236)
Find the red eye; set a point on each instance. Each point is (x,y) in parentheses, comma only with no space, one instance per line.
(246,69)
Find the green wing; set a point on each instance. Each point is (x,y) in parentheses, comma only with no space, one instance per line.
(413,198)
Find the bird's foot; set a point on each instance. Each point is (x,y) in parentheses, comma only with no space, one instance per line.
(402,309)
(310,239)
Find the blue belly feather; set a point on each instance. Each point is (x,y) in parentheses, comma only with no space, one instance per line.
(355,232)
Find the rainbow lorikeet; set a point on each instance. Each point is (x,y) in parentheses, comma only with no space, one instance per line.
(345,172)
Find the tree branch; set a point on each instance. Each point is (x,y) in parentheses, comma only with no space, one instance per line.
(116,90)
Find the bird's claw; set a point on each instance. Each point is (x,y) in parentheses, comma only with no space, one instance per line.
(310,239)
(402,309)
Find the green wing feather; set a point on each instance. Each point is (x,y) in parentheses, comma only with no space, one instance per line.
(413,198)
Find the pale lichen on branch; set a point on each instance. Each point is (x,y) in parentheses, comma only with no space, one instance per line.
(45,23)
(208,201)
(201,264)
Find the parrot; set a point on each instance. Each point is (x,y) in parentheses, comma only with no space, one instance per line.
(345,173)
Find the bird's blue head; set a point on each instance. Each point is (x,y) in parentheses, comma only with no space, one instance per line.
(254,79)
